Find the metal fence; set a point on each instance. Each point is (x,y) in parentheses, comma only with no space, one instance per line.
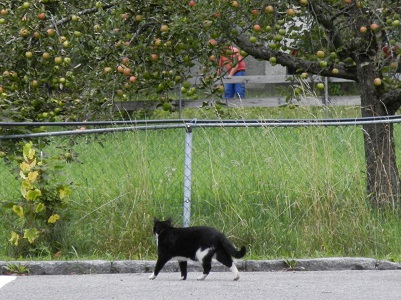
(198,169)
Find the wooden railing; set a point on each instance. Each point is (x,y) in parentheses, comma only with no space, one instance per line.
(130,106)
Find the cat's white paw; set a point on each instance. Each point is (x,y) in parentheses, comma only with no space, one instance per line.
(153,276)
(202,277)
(235,272)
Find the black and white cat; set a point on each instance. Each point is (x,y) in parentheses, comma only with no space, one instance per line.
(199,243)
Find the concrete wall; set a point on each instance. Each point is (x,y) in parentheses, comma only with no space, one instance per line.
(260,67)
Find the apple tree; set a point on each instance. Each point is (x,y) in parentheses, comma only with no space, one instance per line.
(70,60)
(350,39)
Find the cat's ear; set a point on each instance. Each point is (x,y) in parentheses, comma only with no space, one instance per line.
(169,221)
(155,220)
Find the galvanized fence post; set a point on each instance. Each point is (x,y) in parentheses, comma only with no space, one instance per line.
(187,175)
(326,99)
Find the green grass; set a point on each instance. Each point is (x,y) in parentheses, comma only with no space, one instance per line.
(284,112)
(282,192)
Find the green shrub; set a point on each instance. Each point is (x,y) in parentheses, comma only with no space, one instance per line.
(42,205)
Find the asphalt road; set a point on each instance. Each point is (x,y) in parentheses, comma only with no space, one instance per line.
(326,285)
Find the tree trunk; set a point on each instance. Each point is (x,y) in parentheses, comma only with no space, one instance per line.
(383,182)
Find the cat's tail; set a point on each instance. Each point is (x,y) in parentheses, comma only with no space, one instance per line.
(231,249)
(240,253)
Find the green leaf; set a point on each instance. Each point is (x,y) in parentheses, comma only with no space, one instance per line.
(25,167)
(28,152)
(14,238)
(32,176)
(53,219)
(19,210)
(31,234)
(40,207)
(32,195)
(25,187)
(64,192)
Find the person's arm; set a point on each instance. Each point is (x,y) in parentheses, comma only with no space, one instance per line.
(236,59)
(221,64)
(233,70)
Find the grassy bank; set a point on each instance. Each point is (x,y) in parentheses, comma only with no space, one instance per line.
(282,192)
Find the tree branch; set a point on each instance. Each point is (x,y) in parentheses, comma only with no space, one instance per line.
(392,99)
(80,13)
(68,19)
(327,22)
(290,61)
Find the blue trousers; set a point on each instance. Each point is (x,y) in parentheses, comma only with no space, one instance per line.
(235,89)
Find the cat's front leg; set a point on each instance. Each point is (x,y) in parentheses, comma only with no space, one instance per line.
(183,268)
(159,265)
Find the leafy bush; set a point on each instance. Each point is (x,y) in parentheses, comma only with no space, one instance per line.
(42,206)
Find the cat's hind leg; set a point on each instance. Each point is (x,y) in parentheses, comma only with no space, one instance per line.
(205,257)
(226,259)
(183,269)
(207,266)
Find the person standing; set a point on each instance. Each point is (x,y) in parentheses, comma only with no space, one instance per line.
(233,64)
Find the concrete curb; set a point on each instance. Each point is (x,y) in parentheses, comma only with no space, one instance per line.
(146,266)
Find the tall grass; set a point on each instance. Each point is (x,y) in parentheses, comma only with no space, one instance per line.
(129,181)
(281,112)
(282,192)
